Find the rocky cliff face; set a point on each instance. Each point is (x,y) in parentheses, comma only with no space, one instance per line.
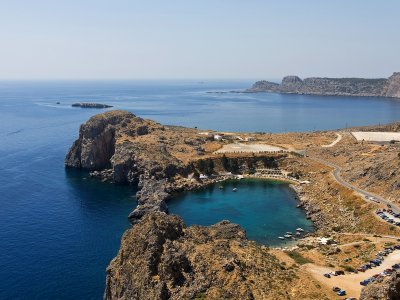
(388,290)
(120,147)
(392,89)
(333,86)
(160,258)
(96,143)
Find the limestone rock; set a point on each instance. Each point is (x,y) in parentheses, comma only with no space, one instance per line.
(160,258)
(380,87)
(96,143)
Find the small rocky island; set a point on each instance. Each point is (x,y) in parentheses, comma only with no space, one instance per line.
(381,87)
(91,105)
(162,258)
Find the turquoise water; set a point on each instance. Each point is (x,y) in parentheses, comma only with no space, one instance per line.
(59,229)
(265,209)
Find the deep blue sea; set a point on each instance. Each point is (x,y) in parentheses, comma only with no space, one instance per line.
(59,229)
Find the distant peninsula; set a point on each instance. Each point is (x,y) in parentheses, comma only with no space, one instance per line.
(91,105)
(380,87)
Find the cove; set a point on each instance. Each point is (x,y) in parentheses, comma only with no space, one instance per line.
(266,209)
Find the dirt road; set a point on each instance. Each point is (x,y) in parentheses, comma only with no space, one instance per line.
(351,282)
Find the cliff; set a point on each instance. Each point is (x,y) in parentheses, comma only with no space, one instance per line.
(161,258)
(381,87)
(120,147)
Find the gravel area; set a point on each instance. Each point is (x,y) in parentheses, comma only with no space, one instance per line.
(255,148)
(376,136)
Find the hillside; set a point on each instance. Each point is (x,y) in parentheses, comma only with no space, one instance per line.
(381,87)
(162,258)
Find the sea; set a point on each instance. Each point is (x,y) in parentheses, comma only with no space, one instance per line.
(60,228)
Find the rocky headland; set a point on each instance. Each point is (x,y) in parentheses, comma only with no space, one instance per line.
(161,258)
(381,87)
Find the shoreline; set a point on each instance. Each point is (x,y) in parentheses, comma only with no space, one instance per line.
(168,161)
(293,185)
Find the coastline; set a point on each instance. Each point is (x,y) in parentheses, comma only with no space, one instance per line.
(161,168)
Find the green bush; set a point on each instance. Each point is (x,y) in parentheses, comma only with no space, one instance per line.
(298,258)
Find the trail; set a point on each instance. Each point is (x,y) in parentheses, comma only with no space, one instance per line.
(338,139)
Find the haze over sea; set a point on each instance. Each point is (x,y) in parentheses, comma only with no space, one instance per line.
(60,229)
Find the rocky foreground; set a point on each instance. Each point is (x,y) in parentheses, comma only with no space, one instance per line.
(382,87)
(161,258)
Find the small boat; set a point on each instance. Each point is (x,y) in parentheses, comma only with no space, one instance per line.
(288,232)
(221,187)
(288,236)
(298,233)
(300,229)
(298,206)
(234,190)
(281,237)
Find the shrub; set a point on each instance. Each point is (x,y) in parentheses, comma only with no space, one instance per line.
(298,258)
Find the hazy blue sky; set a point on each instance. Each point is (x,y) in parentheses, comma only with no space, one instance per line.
(117,39)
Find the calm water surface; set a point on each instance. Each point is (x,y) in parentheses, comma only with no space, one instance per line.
(59,229)
(265,209)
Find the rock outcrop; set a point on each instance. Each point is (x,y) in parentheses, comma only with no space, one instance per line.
(161,258)
(90,105)
(380,87)
(392,89)
(388,289)
(151,197)
(120,147)
(96,143)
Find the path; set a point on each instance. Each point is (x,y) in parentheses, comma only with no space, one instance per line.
(338,139)
(373,235)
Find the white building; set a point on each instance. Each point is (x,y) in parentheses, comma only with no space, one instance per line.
(217,137)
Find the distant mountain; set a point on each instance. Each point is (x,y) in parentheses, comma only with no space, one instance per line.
(381,87)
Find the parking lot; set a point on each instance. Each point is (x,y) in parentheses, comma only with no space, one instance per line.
(389,216)
(352,283)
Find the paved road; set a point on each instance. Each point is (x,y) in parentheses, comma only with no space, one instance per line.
(336,174)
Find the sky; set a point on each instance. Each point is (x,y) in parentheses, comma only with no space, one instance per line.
(199,39)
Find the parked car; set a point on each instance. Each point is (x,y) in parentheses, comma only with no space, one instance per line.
(336,289)
(340,272)
(361,270)
(396,266)
(341,293)
(364,283)
(327,275)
